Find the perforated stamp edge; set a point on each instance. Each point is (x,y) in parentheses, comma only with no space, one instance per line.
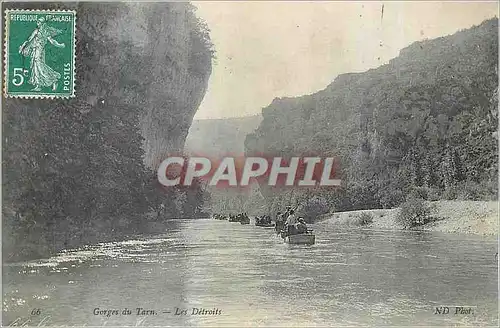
(6,55)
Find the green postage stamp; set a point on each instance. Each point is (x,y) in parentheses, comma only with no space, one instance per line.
(39,57)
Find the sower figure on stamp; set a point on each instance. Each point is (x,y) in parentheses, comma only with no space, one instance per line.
(41,74)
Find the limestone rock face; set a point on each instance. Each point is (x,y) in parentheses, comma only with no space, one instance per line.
(78,170)
(427,119)
(175,69)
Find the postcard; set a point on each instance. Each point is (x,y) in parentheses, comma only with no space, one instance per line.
(250,164)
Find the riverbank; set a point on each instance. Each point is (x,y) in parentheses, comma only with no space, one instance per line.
(464,217)
(37,246)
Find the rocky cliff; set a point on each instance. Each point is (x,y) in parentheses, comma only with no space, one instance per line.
(425,122)
(172,74)
(79,170)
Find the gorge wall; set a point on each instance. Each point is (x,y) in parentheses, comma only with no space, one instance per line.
(426,122)
(82,170)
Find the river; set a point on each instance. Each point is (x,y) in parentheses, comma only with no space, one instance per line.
(249,277)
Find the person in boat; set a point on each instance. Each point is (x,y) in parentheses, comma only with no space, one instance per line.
(301,226)
(286,214)
(291,221)
(279,222)
(284,228)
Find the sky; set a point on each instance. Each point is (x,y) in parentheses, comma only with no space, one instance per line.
(275,49)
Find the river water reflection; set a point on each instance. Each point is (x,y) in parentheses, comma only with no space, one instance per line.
(348,278)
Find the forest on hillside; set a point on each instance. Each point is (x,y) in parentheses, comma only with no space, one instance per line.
(424,124)
(83,170)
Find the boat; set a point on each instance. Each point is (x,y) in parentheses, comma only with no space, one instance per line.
(301,239)
(262,222)
(265,225)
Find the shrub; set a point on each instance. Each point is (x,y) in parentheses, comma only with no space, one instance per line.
(364,219)
(413,212)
